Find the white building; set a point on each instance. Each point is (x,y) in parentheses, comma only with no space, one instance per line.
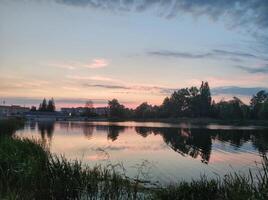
(12,110)
(81,110)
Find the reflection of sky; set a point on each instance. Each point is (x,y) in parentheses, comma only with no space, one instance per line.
(65,51)
(131,149)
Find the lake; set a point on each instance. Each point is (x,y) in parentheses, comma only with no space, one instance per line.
(160,152)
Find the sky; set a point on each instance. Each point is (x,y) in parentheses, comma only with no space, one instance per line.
(132,50)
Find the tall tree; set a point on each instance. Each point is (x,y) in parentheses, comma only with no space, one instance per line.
(51,105)
(205,99)
(43,105)
(180,102)
(116,109)
(89,109)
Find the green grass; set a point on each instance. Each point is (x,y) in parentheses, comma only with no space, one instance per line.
(231,187)
(9,126)
(27,171)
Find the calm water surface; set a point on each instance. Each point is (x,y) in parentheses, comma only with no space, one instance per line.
(169,152)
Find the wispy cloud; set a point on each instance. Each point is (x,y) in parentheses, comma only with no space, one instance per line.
(107,86)
(263,69)
(213,54)
(61,65)
(180,54)
(71,65)
(245,80)
(96,63)
(35,100)
(127,88)
(234,90)
(236,13)
(233,53)
(92,78)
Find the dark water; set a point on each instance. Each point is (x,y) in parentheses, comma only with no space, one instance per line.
(163,152)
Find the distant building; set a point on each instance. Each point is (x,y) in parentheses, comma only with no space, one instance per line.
(102,111)
(73,111)
(13,110)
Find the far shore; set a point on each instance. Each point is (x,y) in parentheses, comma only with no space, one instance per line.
(194,121)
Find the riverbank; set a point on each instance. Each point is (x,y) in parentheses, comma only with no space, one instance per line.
(193,121)
(10,125)
(30,171)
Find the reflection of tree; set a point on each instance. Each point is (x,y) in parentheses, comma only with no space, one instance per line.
(32,125)
(88,131)
(46,130)
(198,142)
(259,138)
(113,132)
(235,137)
(195,142)
(260,141)
(85,127)
(143,131)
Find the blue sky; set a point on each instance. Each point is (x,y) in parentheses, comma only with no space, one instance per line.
(131,50)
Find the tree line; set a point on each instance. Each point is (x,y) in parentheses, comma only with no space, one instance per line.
(195,102)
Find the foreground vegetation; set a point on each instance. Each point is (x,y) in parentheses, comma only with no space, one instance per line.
(29,171)
(9,126)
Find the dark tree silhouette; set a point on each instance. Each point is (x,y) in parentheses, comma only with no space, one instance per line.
(43,105)
(51,105)
(205,99)
(194,102)
(256,103)
(116,109)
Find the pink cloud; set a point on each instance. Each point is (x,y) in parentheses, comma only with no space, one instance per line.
(62,65)
(93,78)
(94,64)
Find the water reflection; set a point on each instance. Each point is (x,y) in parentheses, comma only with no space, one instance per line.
(195,142)
(46,130)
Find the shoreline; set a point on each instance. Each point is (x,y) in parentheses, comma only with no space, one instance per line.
(194,121)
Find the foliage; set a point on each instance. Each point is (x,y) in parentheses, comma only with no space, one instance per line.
(263,113)
(195,103)
(29,171)
(256,103)
(232,109)
(232,186)
(9,126)
(117,110)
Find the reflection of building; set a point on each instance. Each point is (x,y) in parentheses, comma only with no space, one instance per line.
(13,110)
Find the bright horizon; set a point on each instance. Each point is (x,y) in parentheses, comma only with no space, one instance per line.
(134,51)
